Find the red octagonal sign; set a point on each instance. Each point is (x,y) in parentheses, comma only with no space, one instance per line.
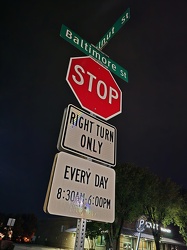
(94,87)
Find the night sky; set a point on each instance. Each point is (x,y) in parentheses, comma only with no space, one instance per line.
(152,128)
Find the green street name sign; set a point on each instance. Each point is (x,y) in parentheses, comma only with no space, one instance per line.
(92,51)
(114,29)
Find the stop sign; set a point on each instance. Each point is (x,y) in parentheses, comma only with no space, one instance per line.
(94,87)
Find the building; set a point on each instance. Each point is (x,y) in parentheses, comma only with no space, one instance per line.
(61,232)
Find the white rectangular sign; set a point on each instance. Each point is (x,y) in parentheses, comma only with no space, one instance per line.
(81,188)
(11,222)
(84,134)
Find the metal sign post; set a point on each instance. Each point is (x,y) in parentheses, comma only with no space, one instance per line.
(138,241)
(82,188)
(80,235)
(140,227)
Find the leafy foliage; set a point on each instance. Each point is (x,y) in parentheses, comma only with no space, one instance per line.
(129,197)
(140,192)
(93,230)
(25,224)
(161,204)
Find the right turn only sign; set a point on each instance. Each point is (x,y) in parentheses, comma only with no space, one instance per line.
(84,134)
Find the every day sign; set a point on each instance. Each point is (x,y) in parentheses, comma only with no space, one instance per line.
(81,188)
(84,134)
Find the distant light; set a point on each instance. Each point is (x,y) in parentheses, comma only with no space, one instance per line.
(167,230)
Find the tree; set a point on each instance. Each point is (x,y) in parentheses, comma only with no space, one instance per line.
(93,230)
(29,225)
(163,204)
(2,222)
(141,192)
(25,224)
(18,227)
(179,214)
(129,188)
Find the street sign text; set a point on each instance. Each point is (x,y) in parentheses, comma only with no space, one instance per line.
(84,134)
(94,87)
(114,29)
(92,51)
(80,188)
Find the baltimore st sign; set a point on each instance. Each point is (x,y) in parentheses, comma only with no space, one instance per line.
(94,51)
(91,50)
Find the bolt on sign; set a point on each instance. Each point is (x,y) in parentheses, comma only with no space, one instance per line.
(80,188)
(84,134)
(94,87)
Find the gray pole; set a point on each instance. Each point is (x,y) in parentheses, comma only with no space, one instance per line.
(80,234)
(138,241)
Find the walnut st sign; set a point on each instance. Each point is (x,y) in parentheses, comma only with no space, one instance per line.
(94,87)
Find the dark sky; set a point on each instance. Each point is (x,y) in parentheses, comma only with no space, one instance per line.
(152,128)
